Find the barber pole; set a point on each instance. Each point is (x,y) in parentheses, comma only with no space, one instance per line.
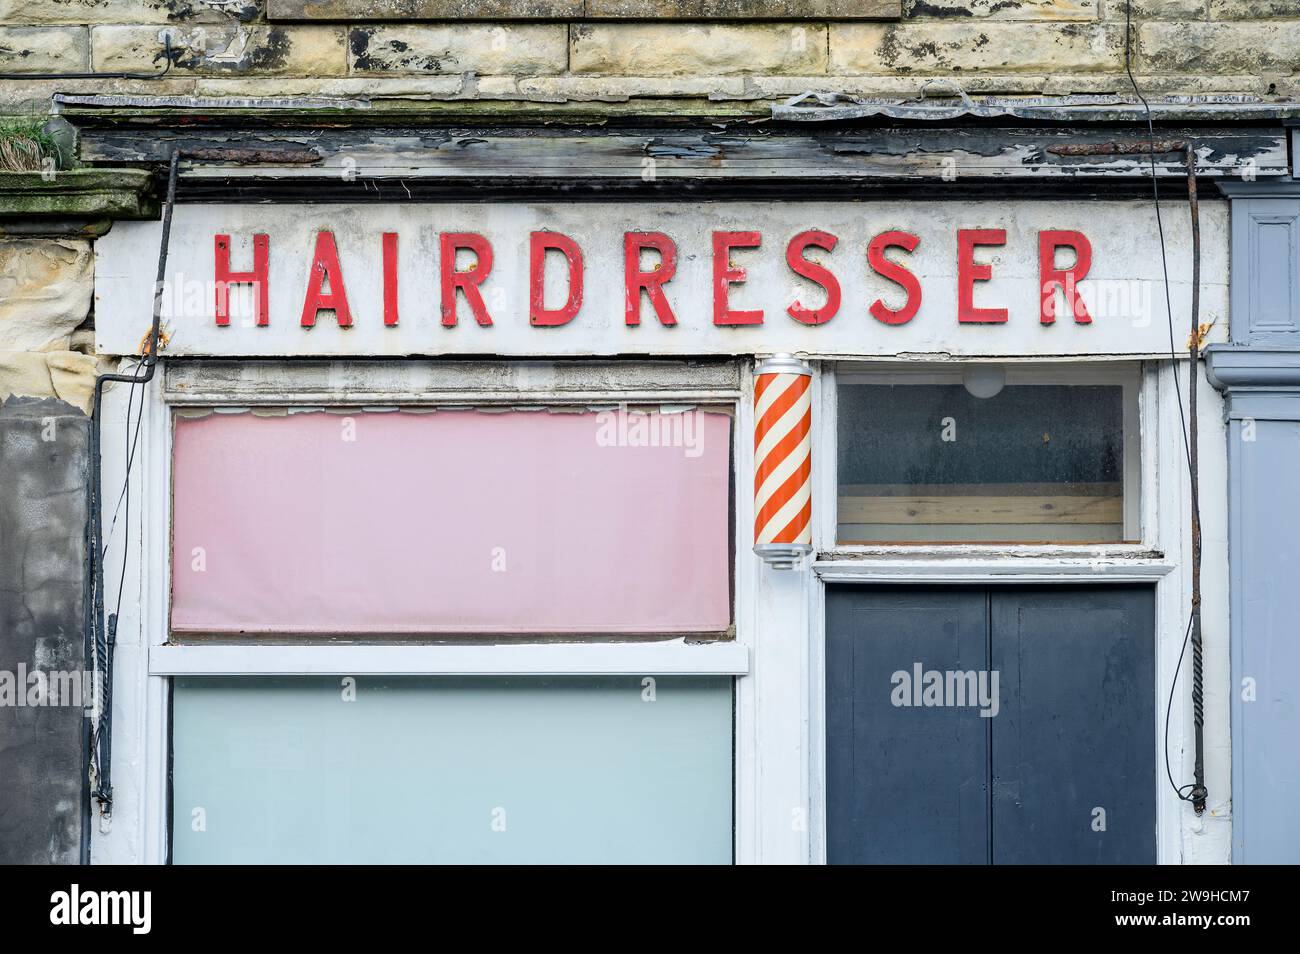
(782,460)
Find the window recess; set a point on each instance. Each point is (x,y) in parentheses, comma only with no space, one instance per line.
(987,453)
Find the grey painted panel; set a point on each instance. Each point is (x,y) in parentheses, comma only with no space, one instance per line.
(1264,555)
(42,602)
(1266,271)
(904,784)
(1076,730)
(1263,405)
(1262,383)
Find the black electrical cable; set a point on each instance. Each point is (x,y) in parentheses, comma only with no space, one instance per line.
(1160,225)
(101,641)
(167,57)
(1168,709)
(93,746)
(124,498)
(117,509)
(126,493)
(111,640)
(1173,358)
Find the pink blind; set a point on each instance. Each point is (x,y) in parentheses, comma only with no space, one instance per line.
(451,521)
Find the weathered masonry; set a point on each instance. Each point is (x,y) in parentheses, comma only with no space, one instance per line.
(615,432)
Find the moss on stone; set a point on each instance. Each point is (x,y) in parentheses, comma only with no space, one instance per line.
(117,193)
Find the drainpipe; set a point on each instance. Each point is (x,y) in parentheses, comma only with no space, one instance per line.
(1199,794)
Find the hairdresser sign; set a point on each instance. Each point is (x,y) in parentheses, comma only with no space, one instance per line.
(1025,278)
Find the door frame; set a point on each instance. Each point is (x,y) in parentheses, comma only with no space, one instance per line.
(1158,558)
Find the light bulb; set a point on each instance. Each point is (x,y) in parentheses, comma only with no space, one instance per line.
(984,380)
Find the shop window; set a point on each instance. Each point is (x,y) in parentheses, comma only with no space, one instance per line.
(492,626)
(987,454)
(452,522)
(591,770)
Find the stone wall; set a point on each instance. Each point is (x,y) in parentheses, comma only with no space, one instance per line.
(47,376)
(43,459)
(46,348)
(230,47)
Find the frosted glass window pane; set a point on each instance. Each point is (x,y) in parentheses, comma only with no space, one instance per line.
(461,770)
(934,463)
(452,522)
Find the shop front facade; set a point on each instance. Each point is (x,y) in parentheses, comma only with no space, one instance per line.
(649,433)
(700,530)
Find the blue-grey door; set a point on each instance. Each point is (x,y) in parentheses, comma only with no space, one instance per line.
(998,725)
(903,784)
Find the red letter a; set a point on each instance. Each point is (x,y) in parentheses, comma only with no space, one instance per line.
(325,269)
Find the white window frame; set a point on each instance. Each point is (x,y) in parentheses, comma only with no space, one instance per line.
(145,661)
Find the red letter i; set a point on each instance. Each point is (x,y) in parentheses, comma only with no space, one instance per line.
(390,278)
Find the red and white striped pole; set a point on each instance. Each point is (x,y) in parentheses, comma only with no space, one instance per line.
(782,460)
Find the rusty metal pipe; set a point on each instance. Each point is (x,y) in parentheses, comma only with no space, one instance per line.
(1199,793)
